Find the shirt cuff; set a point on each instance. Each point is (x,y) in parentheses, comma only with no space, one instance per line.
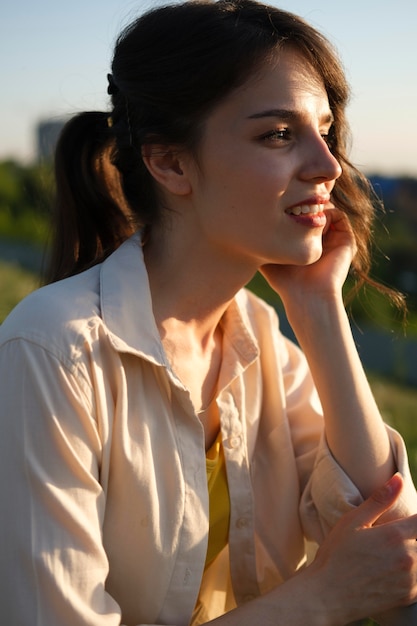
(330,492)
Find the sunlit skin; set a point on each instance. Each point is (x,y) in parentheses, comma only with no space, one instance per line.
(241,206)
(264,156)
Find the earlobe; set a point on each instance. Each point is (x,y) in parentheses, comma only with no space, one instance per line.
(165,164)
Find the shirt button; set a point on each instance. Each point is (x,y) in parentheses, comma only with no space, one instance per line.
(235,441)
(242,522)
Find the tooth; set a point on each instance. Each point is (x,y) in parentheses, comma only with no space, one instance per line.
(315,208)
(296,210)
(305,209)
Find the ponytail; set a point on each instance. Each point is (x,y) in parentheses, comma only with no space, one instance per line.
(91,217)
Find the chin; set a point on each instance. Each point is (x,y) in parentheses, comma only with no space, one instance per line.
(306,254)
(308,257)
(314,258)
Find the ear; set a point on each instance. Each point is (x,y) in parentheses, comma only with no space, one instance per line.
(167,165)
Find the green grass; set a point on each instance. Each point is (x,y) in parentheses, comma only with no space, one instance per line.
(15,284)
(28,227)
(398,405)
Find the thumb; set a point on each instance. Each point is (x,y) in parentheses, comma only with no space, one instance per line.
(379,502)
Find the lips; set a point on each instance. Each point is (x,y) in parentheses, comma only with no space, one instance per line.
(305,209)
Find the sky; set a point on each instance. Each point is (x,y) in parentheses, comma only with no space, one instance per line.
(55,56)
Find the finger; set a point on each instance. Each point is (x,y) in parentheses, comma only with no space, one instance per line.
(381,501)
(337,219)
(328,211)
(378,503)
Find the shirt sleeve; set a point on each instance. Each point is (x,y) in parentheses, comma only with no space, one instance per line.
(330,493)
(52,566)
(327,491)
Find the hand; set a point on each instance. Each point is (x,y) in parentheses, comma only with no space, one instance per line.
(369,569)
(325,276)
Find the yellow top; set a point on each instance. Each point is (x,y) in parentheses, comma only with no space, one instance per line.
(218,500)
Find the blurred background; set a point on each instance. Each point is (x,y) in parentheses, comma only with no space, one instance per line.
(55,57)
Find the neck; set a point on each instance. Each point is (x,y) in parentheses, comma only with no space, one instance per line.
(191,285)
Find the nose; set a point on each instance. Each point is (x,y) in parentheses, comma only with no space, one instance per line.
(319,163)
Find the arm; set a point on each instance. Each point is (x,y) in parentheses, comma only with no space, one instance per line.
(312,296)
(354,428)
(355,556)
(53,565)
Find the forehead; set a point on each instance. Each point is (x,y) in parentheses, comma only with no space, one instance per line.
(287,82)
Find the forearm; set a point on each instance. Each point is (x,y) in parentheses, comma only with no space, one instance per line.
(354,428)
(298,602)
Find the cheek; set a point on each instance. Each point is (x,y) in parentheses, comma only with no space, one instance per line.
(243,178)
(266,168)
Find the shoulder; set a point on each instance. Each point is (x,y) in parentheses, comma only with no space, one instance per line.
(56,314)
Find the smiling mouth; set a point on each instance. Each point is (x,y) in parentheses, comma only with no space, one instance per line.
(306,209)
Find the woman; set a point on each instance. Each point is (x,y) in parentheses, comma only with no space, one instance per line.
(165,452)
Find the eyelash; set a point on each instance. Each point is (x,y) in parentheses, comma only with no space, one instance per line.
(277,134)
(284,134)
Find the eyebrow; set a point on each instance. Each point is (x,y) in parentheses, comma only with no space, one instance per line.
(288,114)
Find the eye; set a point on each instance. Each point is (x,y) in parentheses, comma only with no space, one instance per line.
(329,137)
(277,134)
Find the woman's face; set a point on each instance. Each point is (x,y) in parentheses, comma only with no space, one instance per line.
(265,170)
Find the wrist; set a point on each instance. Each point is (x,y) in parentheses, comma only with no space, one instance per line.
(311,600)
(316,315)
(328,607)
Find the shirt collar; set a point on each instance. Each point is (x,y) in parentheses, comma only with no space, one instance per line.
(126,307)
(126,303)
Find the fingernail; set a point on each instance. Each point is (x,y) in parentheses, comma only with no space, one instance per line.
(391,486)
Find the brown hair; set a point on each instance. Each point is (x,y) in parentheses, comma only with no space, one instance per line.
(170,68)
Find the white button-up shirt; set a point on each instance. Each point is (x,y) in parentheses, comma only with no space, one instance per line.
(102,460)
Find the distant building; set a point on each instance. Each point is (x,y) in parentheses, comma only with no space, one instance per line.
(47,135)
